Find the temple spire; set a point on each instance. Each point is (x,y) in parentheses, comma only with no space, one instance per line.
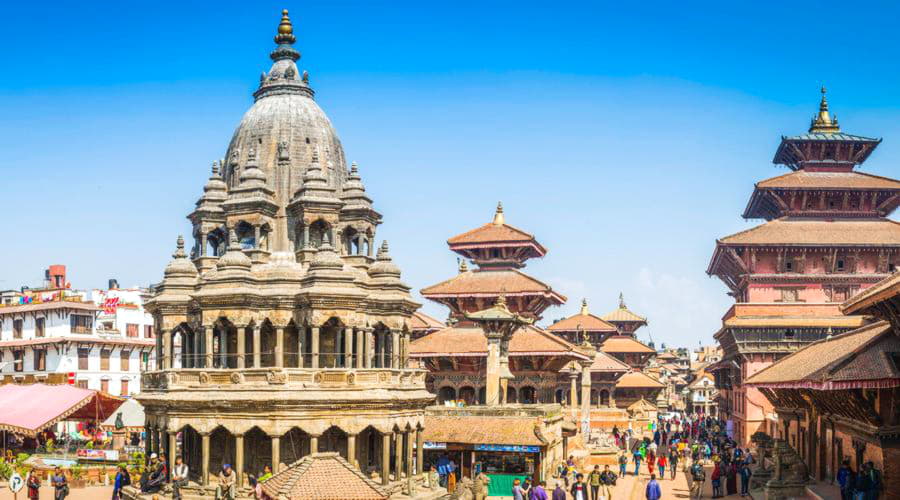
(584,307)
(621,301)
(285,40)
(823,122)
(498,215)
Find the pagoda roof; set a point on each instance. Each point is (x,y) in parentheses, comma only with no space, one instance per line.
(789,315)
(424,322)
(604,363)
(323,476)
(479,429)
(492,283)
(624,344)
(496,233)
(469,340)
(801,231)
(666,355)
(584,320)
(638,380)
(623,314)
(861,359)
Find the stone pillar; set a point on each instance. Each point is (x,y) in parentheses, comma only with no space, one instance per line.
(256,235)
(360,348)
(351,449)
(239,459)
(301,340)
(573,389)
(241,348)
(148,441)
(173,448)
(276,454)
(586,395)
(197,360)
(315,347)
(202,252)
(492,395)
(204,461)
(395,349)
(420,451)
(348,347)
(385,458)
(408,460)
(166,349)
(369,348)
(313,443)
(612,396)
(208,333)
(398,455)
(279,346)
(257,346)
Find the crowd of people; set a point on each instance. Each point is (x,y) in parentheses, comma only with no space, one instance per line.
(864,484)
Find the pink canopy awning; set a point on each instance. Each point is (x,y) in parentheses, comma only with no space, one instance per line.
(29,409)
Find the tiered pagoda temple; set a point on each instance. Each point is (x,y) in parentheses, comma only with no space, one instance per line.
(455,356)
(617,378)
(281,336)
(826,237)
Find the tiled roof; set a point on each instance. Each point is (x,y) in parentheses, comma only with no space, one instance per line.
(46,306)
(801,179)
(587,322)
(624,343)
(642,404)
(638,380)
(605,363)
(857,359)
(78,339)
(322,476)
(796,231)
(840,136)
(881,291)
(491,233)
(422,321)
(666,356)
(798,322)
(672,367)
(473,429)
(470,341)
(623,314)
(491,283)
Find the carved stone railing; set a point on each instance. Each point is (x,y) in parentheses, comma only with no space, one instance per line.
(203,378)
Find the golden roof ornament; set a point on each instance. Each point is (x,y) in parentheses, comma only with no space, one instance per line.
(823,122)
(621,301)
(285,29)
(584,307)
(498,215)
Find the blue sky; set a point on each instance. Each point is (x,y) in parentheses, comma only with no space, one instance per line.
(626,138)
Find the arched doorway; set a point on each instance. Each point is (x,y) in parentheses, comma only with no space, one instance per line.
(511,395)
(604,397)
(446,394)
(528,395)
(467,394)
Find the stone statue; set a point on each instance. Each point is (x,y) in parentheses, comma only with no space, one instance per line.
(119,423)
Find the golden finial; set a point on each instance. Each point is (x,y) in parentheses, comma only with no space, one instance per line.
(823,122)
(621,301)
(285,28)
(463,267)
(498,215)
(584,307)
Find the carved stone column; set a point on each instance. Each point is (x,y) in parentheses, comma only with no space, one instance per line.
(223,347)
(173,448)
(279,347)
(398,455)
(241,348)
(315,347)
(276,454)
(492,389)
(573,389)
(348,347)
(166,351)
(239,459)
(369,349)
(351,449)
(420,451)
(257,346)
(360,347)
(385,458)
(204,446)
(208,336)
(313,443)
(395,349)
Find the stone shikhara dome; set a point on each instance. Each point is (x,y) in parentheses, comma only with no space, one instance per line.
(285,127)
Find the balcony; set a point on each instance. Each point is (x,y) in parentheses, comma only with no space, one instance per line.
(273,377)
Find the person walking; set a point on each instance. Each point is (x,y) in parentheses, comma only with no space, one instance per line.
(60,484)
(717,480)
(673,463)
(559,493)
(845,480)
(653,491)
(698,477)
(579,490)
(122,480)
(607,481)
(637,461)
(661,462)
(594,482)
(538,492)
(731,473)
(517,492)
(745,479)
(33,483)
(623,462)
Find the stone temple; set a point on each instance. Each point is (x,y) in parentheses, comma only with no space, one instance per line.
(281,334)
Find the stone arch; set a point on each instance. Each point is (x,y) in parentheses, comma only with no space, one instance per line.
(333,439)
(352,241)
(294,445)
(383,345)
(368,449)
(511,395)
(191,450)
(257,451)
(468,395)
(216,241)
(264,231)
(267,343)
(221,449)
(331,344)
(224,343)
(446,393)
(528,395)
(246,235)
(317,233)
(292,344)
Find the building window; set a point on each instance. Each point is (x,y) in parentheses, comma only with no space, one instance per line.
(124,387)
(81,384)
(40,360)
(124,356)
(81,324)
(840,265)
(19,360)
(17,328)
(131,330)
(789,334)
(39,324)
(104,386)
(104,359)
(148,331)
(83,356)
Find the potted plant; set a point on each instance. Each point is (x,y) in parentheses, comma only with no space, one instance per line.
(77,471)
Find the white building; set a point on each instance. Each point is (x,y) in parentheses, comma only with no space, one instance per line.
(702,394)
(65,336)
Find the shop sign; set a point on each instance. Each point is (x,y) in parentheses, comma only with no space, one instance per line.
(508,447)
(431,445)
